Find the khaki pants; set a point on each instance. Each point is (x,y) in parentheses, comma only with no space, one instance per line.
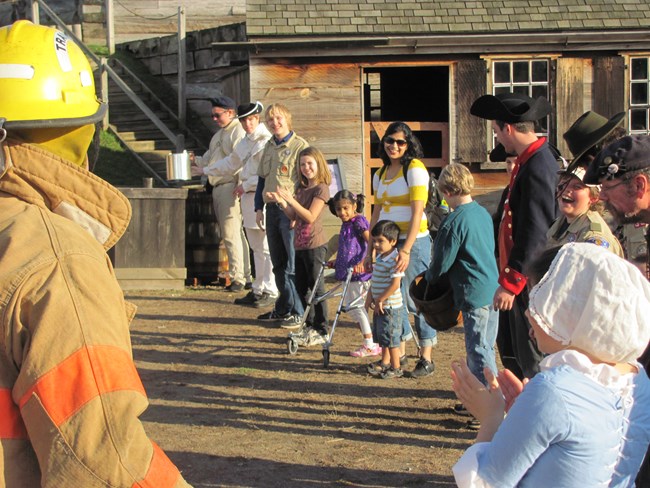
(228,212)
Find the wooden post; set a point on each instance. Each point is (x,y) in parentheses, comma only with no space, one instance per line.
(110,27)
(103,77)
(35,14)
(182,69)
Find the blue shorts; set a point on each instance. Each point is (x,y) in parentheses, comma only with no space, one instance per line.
(387,328)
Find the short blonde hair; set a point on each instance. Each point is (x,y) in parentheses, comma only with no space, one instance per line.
(278,108)
(456,179)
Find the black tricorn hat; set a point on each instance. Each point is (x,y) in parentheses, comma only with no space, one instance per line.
(510,108)
(589,130)
(247,109)
(499,154)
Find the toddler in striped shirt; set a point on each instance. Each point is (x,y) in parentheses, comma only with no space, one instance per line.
(385,298)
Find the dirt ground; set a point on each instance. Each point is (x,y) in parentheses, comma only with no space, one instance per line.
(232,408)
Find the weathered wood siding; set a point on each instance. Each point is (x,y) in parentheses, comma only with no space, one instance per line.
(325,101)
(471,136)
(151,253)
(569,92)
(609,85)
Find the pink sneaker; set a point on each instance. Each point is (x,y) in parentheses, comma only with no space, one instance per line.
(364,351)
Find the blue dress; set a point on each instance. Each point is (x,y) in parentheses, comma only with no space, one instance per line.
(575,424)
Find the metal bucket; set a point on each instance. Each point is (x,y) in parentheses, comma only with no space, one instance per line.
(178,166)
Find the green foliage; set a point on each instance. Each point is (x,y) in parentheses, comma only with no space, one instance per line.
(116,165)
(98,49)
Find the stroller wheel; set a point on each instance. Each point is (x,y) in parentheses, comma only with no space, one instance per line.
(326,358)
(292,346)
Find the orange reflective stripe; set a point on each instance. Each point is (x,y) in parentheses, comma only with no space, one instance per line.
(161,474)
(86,374)
(11,423)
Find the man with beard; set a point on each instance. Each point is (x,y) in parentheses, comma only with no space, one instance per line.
(623,171)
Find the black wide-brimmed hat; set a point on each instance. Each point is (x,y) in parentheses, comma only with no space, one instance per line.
(499,154)
(247,109)
(589,130)
(628,154)
(510,108)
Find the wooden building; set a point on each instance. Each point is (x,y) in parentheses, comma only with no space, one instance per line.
(346,68)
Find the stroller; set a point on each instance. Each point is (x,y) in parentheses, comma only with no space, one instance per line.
(306,336)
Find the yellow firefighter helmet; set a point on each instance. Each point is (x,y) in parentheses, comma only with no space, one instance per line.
(45,79)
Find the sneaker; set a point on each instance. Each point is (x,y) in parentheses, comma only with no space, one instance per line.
(364,351)
(271,316)
(248,285)
(423,368)
(392,373)
(473,424)
(377,368)
(291,321)
(403,361)
(249,299)
(265,300)
(460,409)
(316,338)
(235,287)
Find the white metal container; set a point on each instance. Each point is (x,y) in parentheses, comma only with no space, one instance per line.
(178,166)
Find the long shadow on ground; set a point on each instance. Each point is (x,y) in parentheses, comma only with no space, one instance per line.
(262,473)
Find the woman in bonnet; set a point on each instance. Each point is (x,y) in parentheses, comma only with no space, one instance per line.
(580,421)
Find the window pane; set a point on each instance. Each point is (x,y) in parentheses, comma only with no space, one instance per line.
(639,93)
(638,119)
(540,70)
(521,89)
(539,91)
(502,72)
(501,89)
(520,72)
(639,68)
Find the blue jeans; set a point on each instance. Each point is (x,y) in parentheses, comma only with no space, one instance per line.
(387,328)
(283,257)
(419,262)
(481,325)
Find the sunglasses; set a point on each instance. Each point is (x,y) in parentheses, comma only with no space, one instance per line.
(389,141)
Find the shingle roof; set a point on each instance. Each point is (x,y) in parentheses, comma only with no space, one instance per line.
(412,17)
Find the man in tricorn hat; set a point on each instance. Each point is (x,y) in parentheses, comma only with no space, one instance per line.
(623,171)
(529,209)
(585,138)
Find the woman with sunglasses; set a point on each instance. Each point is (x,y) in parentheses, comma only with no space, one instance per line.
(401,187)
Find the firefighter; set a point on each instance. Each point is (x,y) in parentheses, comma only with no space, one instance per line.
(70,395)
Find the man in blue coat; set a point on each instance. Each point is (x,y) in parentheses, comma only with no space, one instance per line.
(529,210)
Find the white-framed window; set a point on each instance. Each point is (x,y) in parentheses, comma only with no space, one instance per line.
(526,76)
(639,102)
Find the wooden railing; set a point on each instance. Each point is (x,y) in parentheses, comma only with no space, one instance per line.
(107,72)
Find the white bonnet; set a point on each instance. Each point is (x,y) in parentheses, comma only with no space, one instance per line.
(594,301)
